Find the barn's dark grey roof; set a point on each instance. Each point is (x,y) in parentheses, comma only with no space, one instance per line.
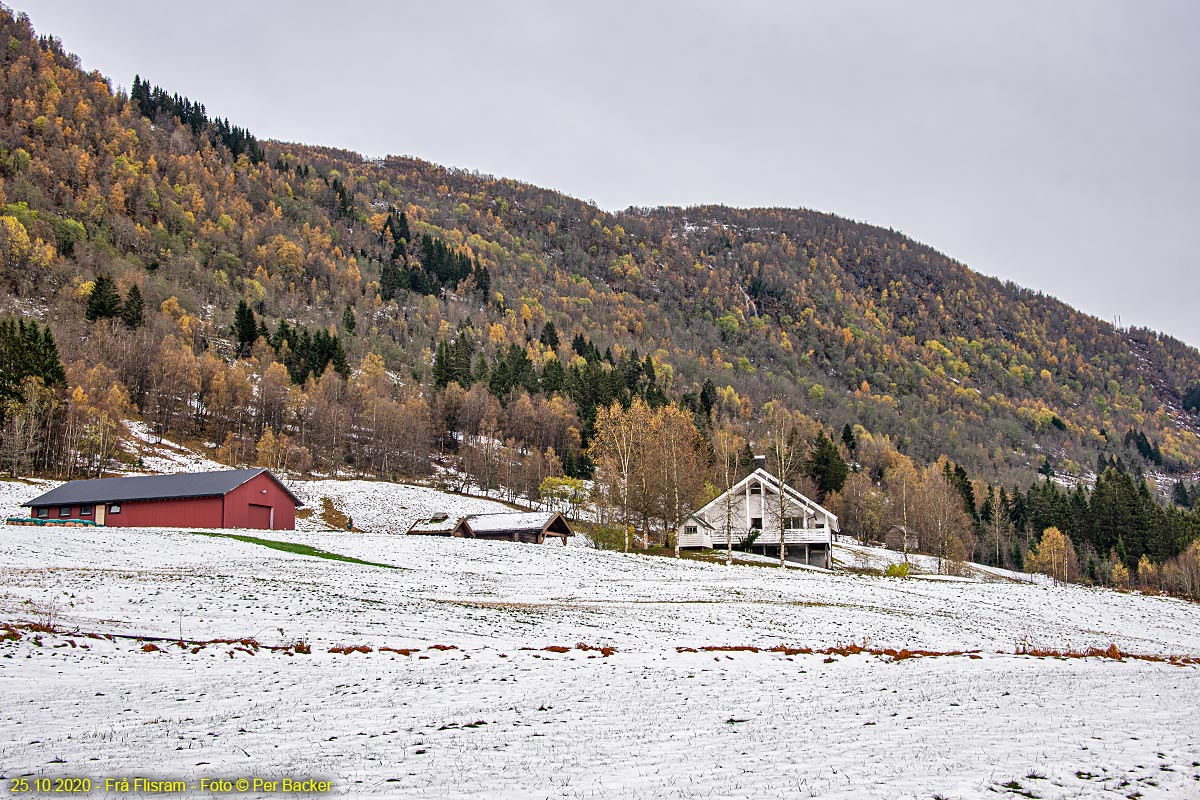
(151,487)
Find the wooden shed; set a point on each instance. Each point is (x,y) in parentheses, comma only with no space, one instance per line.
(534,527)
(235,498)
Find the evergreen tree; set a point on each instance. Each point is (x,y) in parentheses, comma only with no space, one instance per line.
(349,323)
(849,440)
(400,232)
(1191,399)
(554,379)
(442,370)
(708,398)
(826,466)
(27,350)
(549,335)
(133,313)
(104,301)
(1181,497)
(245,327)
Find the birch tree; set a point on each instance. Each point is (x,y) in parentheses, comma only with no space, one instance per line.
(727,448)
(615,448)
(785,457)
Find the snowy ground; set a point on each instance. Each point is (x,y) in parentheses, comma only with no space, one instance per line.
(499,716)
(379,507)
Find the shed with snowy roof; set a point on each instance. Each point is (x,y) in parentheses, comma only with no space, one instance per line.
(534,527)
(233,498)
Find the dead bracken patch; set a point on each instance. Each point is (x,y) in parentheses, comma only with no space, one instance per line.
(348,649)
(584,646)
(333,517)
(1111,652)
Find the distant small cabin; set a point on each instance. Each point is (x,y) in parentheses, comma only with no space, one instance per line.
(532,527)
(233,498)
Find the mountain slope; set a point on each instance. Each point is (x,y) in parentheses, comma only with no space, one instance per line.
(853,323)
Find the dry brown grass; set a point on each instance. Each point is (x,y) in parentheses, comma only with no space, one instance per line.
(334,518)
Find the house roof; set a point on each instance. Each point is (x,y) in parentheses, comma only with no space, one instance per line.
(152,487)
(769,480)
(511,522)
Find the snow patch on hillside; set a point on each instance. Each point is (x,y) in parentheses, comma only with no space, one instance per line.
(383,507)
(163,456)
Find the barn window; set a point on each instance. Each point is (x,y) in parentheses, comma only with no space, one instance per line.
(43,512)
(114,509)
(64,511)
(85,511)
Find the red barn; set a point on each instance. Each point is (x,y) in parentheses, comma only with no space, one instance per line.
(235,498)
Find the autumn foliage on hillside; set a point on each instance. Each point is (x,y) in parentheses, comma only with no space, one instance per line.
(363,316)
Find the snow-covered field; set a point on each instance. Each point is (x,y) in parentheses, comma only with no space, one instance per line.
(500,716)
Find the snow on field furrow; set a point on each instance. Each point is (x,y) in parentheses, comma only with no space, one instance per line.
(531,725)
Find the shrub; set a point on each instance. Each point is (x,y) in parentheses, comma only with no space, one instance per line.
(607,537)
(897,571)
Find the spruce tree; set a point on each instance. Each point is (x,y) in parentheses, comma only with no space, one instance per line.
(245,327)
(708,398)
(849,440)
(441,365)
(349,323)
(1181,497)
(825,466)
(133,313)
(549,335)
(104,301)
(402,233)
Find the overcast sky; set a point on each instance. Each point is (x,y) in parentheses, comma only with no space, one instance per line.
(1054,144)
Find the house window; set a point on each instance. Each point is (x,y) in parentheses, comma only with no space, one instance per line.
(819,523)
(756,489)
(43,512)
(114,509)
(64,511)
(85,511)
(690,530)
(756,524)
(793,523)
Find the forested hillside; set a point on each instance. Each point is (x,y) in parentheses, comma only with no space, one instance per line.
(312,309)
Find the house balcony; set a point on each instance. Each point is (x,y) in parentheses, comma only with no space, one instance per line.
(770,536)
(766,536)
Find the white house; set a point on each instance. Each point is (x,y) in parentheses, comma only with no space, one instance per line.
(752,507)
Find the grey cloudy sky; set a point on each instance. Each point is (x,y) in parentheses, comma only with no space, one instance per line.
(1053,144)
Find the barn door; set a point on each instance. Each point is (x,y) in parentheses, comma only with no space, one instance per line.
(260,517)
